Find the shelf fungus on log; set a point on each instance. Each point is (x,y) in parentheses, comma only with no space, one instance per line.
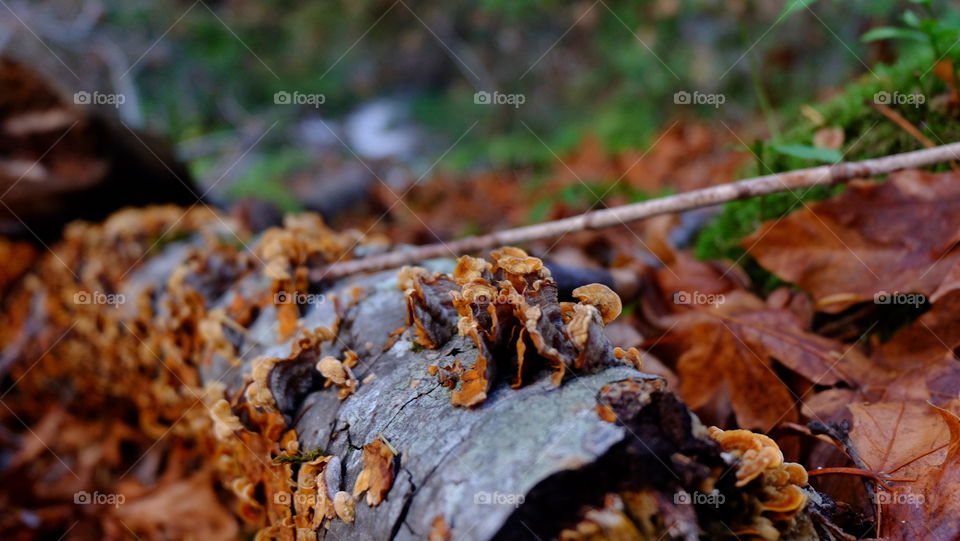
(310,403)
(509,308)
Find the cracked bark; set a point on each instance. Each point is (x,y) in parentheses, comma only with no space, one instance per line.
(542,442)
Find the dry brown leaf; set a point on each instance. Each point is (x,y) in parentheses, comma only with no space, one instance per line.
(901,438)
(730,345)
(894,237)
(930,507)
(192,501)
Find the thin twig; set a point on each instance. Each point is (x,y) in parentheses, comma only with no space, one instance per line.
(824,175)
(905,125)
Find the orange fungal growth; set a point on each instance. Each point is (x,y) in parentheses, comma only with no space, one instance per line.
(603,298)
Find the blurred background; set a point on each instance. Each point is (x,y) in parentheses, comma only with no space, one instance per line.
(331,105)
(417,122)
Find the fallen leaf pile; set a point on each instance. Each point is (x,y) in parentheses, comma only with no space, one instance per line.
(863,347)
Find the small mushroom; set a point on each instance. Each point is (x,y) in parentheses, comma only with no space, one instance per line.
(520,265)
(785,499)
(631,356)
(603,298)
(755,454)
(469,269)
(479,293)
(407,276)
(344,505)
(225,423)
(332,369)
(506,251)
(578,328)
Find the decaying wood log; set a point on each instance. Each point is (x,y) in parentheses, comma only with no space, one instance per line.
(581,445)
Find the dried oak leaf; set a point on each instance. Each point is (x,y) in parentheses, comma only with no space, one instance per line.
(194,503)
(916,363)
(927,342)
(901,438)
(897,236)
(928,508)
(379,471)
(731,345)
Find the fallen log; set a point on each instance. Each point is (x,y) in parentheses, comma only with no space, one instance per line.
(379,407)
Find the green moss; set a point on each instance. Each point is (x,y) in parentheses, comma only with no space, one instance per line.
(867,134)
(299,458)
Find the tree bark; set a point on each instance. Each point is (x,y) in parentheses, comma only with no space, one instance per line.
(606,454)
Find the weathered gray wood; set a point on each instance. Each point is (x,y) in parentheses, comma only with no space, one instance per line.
(543,445)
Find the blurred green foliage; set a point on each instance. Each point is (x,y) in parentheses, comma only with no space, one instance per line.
(609,68)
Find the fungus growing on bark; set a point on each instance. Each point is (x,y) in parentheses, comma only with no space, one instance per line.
(772,485)
(258,393)
(225,423)
(339,373)
(429,306)
(471,269)
(378,473)
(631,356)
(510,309)
(603,523)
(603,298)
(344,504)
(755,452)
(439,531)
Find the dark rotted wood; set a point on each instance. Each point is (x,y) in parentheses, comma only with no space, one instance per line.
(61,161)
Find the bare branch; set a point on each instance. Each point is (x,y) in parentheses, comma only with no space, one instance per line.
(824,175)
